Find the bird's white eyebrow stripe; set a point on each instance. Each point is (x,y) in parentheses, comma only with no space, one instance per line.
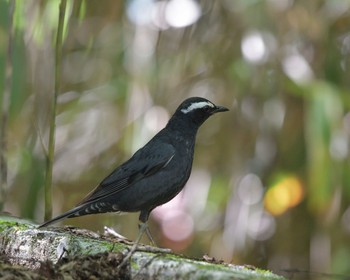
(197,105)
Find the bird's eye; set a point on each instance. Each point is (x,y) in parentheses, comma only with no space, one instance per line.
(206,109)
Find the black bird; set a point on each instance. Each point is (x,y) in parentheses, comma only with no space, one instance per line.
(155,174)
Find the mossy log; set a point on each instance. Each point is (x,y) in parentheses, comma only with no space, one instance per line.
(22,243)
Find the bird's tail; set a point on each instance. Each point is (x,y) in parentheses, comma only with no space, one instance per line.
(69,214)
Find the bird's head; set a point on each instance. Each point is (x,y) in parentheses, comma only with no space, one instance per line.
(197,110)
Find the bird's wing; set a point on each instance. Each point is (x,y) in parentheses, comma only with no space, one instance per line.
(142,164)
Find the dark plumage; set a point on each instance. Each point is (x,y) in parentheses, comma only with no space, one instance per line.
(155,173)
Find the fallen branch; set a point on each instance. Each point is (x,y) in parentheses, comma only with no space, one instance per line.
(23,244)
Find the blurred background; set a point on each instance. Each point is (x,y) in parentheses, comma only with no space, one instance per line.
(270,185)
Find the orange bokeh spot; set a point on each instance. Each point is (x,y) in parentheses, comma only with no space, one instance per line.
(286,193)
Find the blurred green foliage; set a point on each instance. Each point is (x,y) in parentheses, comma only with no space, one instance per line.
(282,66)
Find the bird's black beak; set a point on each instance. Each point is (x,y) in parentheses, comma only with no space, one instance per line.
(218,109)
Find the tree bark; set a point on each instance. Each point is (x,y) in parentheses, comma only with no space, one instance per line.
(24,244)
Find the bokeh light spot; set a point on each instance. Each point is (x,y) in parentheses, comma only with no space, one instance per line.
(140,11)
(261,226)
(339,146)
(156,118)
(181,13)
(250,189)
(346,220)
(297,68)
(274,112)
(254,48)
(177,226)
(286,193)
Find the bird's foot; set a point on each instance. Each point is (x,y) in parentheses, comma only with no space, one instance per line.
(128,256)
(137,247)
(143,248)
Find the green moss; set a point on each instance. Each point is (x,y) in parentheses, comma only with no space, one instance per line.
(7,222)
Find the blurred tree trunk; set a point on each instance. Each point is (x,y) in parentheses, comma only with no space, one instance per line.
(5,102)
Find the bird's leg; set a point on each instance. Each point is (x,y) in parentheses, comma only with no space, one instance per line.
(154,248)
(142,228)
(148,232)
